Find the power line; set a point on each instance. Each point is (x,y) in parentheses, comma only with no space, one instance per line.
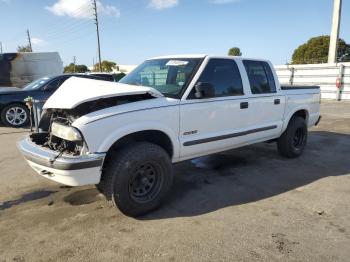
(60,31)
(98,36)
(78,24)
(70,40)
(70,31)
(65,32)
(63,21)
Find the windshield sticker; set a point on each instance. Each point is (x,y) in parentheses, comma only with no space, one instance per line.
(176,63)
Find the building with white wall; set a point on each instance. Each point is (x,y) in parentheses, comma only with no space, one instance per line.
(124,69)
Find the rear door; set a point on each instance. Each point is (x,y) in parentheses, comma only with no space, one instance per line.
(266,103)
(208,125)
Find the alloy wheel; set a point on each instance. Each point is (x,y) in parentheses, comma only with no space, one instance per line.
(16,116)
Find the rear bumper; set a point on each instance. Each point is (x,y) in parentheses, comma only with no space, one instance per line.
(69,170)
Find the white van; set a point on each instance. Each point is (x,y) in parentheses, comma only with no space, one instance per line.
(19,69)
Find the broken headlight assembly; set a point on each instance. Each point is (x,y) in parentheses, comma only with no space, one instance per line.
(68,133)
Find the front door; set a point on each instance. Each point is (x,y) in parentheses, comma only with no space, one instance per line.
(208,125)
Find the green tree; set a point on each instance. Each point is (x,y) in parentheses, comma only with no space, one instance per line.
(234,51)
(315,51)
(75,69)
(346,56)
(107,66)
(24,48)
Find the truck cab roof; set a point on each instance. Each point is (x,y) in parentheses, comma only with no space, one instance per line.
(207,56)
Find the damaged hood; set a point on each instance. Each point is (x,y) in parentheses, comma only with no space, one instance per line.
(76,91)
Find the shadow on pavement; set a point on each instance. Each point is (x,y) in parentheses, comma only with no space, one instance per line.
(26,198)
(250,174)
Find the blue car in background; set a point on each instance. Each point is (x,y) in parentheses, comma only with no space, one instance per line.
(13,110)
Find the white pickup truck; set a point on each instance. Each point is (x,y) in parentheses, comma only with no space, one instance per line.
(124,136)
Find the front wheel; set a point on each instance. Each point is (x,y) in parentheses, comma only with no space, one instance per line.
(292,142)
(137,178)
(15,115)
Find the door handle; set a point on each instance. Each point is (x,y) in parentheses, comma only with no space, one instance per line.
(277,101)
(244,105)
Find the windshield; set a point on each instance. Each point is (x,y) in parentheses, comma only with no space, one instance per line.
(169,76)
(36,84)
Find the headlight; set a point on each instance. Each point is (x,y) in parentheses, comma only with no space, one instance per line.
(65,132)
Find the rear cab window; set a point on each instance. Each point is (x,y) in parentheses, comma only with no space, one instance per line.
(260,77)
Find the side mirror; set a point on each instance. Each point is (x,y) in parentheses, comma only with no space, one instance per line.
(204,90)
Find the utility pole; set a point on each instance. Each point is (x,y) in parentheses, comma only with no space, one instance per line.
(29,41)
(74,62)
(0,47)
(98,35)
(333,45)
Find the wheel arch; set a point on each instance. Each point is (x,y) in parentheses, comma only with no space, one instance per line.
(154,136)
(22,103)
(301,112)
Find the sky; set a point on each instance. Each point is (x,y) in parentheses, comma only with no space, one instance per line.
(134,30)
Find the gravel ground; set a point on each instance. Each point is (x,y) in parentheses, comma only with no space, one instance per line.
(243,205)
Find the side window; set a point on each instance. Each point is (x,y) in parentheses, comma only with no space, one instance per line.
(260,77)
(53,85)
(224,76)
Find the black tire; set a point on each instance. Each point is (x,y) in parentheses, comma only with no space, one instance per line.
(136,178)
(292,142)
(21,119)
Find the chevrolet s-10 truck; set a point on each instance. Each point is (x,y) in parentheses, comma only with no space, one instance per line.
(123,137)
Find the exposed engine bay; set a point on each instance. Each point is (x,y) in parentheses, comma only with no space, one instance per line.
(65,117)
(57,144)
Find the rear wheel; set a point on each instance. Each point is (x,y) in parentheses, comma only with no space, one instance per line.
(15,115)
(137,178)
(292,142)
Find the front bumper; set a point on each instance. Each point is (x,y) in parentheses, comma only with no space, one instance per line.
(68,170)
